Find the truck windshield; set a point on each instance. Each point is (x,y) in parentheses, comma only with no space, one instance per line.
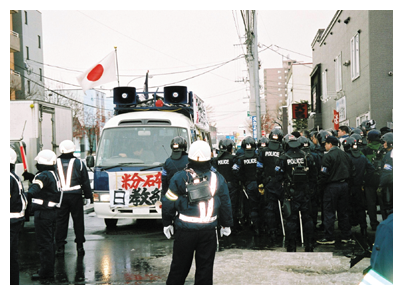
(137,146)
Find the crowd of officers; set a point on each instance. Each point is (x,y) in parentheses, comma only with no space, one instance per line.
(55,192)
(278,185)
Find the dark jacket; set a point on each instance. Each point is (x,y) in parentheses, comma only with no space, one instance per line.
(362,167)
(267,161)
(223,164)
(336,167)
(18,200)
(176,201)
(170,168)
(386,178)
(78,175)
(45,189)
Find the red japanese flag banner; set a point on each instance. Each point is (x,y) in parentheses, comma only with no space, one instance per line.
(101,73)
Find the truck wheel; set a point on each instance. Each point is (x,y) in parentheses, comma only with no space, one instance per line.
(110,223)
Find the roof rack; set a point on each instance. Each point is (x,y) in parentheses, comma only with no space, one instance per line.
(172,99)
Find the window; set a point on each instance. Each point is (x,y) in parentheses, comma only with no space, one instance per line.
(337,66)
(362,118)
(40,74)
(29,87)
(26,17)
(27,52)
(39,41)
(324,84)
(355,56)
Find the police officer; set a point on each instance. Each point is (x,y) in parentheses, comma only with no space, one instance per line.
(374,152)
(176,162)
(358,138)
(195,198)
(46,194)
(320,150)
(312,192)
(295,171)
(74,180)
(357,199)
(334,177)
(245,170)
(267,161)
(386,176)
(342,134)
(18,204)
(223,164)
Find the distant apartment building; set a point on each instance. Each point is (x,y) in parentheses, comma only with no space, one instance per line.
(91,109)
(353,69)
(297,88)
(28,61)
(15,77)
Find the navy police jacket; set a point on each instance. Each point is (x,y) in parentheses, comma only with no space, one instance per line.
(386,178)
(73,176)
(196,216)
(170,167)
(45,190)
(18,200)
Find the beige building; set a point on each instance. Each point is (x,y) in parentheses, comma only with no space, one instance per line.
(15,78)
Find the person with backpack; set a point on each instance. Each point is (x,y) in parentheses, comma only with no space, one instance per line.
(374,152)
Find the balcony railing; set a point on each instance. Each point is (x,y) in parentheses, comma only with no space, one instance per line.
(15,80)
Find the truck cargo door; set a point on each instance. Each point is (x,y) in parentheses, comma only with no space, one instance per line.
(47,129)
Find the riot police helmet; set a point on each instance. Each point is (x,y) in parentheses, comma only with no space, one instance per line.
(178,146)
(388,138)
(385,130)
(357,137)
(200,151)
(304,142)
(67,147)
(263,142)
(368,125)
(322,135)
(276,134)
(225,145)
(249,146)
(290,141)
(374,135)
(348,143)
(357,131)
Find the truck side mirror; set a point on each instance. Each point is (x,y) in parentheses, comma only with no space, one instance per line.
(90,161)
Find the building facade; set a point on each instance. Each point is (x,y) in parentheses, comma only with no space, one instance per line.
(28,61)
(353,70)
(15,77)
(297,87)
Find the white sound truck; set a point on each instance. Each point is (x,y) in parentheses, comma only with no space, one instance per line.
(135,144)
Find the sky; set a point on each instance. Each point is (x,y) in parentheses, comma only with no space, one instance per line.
(193,48)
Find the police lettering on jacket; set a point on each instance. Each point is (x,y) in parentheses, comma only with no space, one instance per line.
(250,161)
(295,161)
(223,162)
(271,154)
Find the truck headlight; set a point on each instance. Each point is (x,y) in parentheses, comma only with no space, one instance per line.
(100,197)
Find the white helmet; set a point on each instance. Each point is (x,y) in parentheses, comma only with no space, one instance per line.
(67,146)
(200,151)
(13,156)
(46,157)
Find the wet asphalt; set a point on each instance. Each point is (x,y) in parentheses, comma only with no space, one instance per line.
(138,253)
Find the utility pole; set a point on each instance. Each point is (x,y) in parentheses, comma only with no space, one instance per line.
(252,60)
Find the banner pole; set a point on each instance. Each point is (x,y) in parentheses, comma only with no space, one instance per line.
(117,68)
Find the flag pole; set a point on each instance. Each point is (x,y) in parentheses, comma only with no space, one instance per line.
(117,68)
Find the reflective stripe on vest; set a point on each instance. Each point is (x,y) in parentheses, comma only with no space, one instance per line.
(205,215)
(66,181)
(23,200)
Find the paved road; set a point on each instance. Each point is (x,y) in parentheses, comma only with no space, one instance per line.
(139,253)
